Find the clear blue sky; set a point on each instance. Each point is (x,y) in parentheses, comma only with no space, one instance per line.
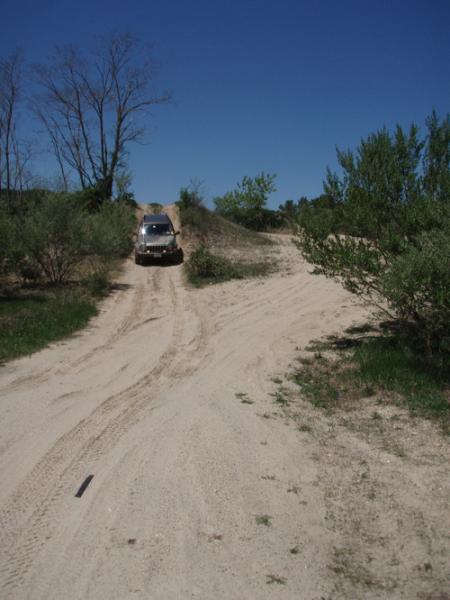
(263,85)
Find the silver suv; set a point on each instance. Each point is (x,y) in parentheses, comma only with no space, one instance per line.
(156,238)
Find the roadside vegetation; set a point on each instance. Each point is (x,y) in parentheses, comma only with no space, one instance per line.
(376,363)
(247,204)
(223,250)
(56,258)
(382,229)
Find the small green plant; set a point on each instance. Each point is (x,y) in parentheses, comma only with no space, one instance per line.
(280,398)
(276,579)
(264,520)
(243,397)
(304,428)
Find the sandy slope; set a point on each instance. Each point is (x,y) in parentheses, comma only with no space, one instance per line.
(145,400)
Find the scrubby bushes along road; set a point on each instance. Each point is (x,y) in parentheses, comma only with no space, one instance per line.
(55,259)
(53,238)
(385,233)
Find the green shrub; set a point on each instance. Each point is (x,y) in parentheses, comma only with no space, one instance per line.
(204,265)
(111,230)
(392,203)
(55,235)
(246,205)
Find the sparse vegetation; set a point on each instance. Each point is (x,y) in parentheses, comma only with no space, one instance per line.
(385,233)
(243,397)
(276,579)
(386,366)
(215,239)
(32,319)
(55,260)
(203,267)
(263,520)
(246,204)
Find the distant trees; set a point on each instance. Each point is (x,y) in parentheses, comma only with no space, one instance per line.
(384,230)
(246,204)
(94,107)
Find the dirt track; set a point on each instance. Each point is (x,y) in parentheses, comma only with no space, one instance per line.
(145,400)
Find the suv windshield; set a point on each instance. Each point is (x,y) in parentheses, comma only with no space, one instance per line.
(157,229)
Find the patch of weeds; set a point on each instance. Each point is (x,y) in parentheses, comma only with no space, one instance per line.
(204,268)
(293,490)
(360,329)
(277,380)
(266,415)
(263,520)
(276,579)
(346,565)
(304,360)
(317,387)
(304,428)
(243,397)
(294,550)
(368,391)
(268,477)
(390,367)
(29,321)
(317,346)
(376,416)
(280,398)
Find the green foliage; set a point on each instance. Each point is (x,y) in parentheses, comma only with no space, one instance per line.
(55,235)
(204,265)
(389,366)
(247,204)
(385,233)
(29,322)
(193,213)
(110,231)
(397,366)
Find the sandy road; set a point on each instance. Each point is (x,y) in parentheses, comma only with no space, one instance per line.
(145,400)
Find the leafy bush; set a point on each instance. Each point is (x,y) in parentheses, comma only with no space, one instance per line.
(55,235)
(192,212)
(393,203)
(110,230)
(246,205)
(203,264)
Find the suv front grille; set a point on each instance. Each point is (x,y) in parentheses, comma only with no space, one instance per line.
(159,249)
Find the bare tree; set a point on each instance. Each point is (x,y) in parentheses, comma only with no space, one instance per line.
(10,156)
(93,109)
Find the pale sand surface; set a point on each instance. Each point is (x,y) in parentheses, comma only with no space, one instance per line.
(145,400)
